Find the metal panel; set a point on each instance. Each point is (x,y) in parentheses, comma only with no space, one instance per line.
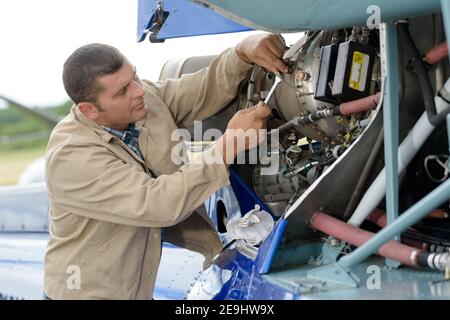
(333,189)
(448,129)
(394,284)
(22,265)
(446,15)
(24,208)
(301,15)
(179,269)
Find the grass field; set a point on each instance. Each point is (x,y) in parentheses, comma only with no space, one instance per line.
(13,162)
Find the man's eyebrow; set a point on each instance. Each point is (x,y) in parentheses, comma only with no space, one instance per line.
(128,83)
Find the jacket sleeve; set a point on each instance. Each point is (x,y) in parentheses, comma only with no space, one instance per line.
(201,94)
(105,188)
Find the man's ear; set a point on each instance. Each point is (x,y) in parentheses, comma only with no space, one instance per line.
(88,109)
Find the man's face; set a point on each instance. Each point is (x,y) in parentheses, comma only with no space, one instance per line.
(122,99)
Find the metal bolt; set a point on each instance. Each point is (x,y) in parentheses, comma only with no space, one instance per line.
(334,242)
(302,76)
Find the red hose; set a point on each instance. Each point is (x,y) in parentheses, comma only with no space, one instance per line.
(436,54)
(415,243)
(437,214)
(357,237)
(359,105)
(378,217)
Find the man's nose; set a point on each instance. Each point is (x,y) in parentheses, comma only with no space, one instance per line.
(138,88)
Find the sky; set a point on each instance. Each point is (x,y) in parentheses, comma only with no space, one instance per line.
(36,37)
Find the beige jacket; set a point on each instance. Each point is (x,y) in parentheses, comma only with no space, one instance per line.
(107,211)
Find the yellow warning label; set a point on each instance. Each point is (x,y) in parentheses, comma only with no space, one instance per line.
(358,71)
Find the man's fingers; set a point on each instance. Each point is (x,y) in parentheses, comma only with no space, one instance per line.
(279,45)
(252,108)
(261,111)
(276,46)
(280,66)
(246,110)
(274,66)
(276,49)
(278,39)
(255,107)
(265,50)
(271,61)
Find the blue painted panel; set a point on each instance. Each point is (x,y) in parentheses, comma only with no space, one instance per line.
(234,277)
(145,13)
(185,19)
(228,198)
(269,247)
(246,197)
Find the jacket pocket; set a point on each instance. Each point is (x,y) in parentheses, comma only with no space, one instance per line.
(114,267)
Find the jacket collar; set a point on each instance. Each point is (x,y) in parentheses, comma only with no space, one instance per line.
(98,129)
(141,123)
(104,135)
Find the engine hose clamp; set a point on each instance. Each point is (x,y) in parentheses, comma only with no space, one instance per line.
(441,162)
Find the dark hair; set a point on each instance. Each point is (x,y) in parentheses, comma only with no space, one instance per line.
(84,65)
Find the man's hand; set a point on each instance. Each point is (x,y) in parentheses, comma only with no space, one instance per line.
(265,50)
(244,131)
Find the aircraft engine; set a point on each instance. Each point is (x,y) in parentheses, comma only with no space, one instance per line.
(320,107)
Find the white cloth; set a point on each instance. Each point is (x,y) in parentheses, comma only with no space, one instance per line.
(253,227)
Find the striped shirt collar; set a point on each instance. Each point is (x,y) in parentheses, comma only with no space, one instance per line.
(129,136)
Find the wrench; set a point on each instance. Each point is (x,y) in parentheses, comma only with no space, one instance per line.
(272,90)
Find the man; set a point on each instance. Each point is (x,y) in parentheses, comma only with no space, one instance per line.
(111,182)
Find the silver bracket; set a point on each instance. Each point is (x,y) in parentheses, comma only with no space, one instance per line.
(332,249)
(336,274)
